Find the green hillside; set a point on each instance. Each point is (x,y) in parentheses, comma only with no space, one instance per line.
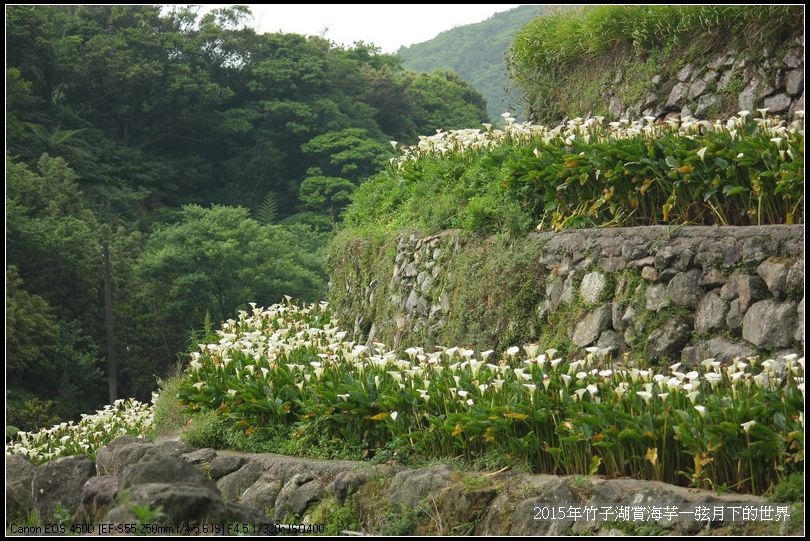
(477,52)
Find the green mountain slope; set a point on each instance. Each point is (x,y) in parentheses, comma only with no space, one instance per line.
(478,53)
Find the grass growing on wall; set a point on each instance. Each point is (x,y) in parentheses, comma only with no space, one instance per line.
(563,61)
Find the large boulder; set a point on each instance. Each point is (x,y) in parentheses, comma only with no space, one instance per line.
(591,326)
(59,483)
(19,495)
(262,494)
(553,490)
(669,339)
(411,487)
(98,497)
(234,485)
(592,287)
(711,314)
(120,452)
(770,324)
(223,465)
(164,469)
(182,503)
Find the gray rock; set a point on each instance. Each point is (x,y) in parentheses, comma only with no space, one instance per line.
(615,107)
(643,262)
(710,314)
(554,490)
(592,287)
(262,494)
(725,79)
(164,469)
(677,95)
(792,59)
(183,503)
(463,506)
(717,61)
(745,287)
(427,283)
(587,331)
(411,487)
(713,278)
(347,482)
(412,302)
(554,289)
(719,348)
(747,100)
(649,273)
(656,79)
(755,249)
(121,451)
(794,82)
(777,103)
(200,456)
(669,339)
(708,102)
(667,87)
(569,291)
(684,288)
(610,340)
(675,257)
(234,485)
(774,272)
(60,482)
(734,317)
(770,323)
(410,270)
(657,297)
(173,448)
(799,335)
(98,497)
(686,72)
(283,505)
(612,264)
(305,495)
(19,495)
(223,465)
(697,88)
(795,277)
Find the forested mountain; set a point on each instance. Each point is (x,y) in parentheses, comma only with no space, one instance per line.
(214,160)
(478,53)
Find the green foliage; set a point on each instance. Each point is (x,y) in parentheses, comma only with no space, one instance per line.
(789,490)
(214,260)
(563,62)
(326,193)
(119,117)
(586,174)
(27,412)
(268,210)
(169,416)
(557,416)
(477,52)
(335,518)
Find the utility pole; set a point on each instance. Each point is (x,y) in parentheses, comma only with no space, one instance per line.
(108,317)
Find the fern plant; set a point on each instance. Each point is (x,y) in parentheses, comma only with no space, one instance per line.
(268,210)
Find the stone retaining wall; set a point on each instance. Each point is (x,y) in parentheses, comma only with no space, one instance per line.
(176,484)
(662,292)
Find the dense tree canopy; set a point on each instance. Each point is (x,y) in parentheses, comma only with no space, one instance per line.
(212,158)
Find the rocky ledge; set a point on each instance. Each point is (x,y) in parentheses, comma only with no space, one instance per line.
(178,484)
